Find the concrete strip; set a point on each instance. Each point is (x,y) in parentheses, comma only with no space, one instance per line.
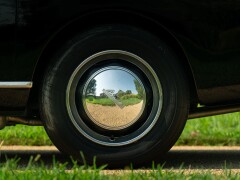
(215,148)
(184,171)
(26,148)
(177,148)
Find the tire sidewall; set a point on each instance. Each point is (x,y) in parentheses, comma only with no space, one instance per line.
(156,53)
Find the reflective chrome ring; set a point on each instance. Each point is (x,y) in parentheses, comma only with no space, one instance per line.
(77,118)
(114,98)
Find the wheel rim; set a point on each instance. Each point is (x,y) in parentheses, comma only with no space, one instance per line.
(114,76)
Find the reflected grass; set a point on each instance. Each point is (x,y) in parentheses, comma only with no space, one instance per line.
(109,102)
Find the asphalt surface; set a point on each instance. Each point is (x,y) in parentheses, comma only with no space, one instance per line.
(194,158)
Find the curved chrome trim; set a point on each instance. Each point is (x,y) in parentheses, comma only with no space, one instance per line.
(16,85)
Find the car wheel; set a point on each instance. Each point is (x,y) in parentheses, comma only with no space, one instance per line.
(117,93)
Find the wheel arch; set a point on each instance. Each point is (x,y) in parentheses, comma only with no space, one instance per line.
(99,18)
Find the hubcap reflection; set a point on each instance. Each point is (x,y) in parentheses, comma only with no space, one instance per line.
(114,98)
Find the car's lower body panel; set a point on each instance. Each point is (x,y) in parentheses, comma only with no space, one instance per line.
(14,97)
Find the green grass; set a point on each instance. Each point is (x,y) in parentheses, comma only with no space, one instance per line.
(109,102)
(215,130)
(219,130)
(35,170)
(24,135)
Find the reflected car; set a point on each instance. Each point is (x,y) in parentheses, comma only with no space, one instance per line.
(117,79)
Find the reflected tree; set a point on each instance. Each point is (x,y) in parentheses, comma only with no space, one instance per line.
(91,90)
(139,89)
(120,93)
(128,92)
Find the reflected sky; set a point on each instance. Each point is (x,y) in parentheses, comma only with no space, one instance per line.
(115,80)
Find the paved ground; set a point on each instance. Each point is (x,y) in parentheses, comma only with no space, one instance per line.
(188,158)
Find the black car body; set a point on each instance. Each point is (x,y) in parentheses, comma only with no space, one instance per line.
(205,36)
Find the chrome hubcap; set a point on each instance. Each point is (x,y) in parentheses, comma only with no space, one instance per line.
(114,98)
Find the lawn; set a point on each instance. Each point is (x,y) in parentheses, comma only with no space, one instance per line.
(216,130)
(36,170)
(221,130)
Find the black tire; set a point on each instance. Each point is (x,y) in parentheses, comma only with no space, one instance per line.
(152,60)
